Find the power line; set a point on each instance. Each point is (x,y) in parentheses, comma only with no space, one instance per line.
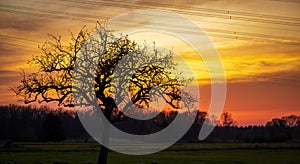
(18,45)
(18,38)
(45,13)
(187,8)
(196,11)
(220,33)
(253,34)
(81,17)
(218,22)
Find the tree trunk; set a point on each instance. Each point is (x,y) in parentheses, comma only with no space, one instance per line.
(102,159)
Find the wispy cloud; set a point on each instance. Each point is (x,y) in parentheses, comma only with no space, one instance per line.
(21,23)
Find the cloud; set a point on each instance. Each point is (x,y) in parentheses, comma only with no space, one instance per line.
(289,78)
(9,72)
(8,77)
(13,56)
(5,49)
(21,23)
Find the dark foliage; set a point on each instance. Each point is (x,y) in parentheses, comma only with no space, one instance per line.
(53,128)
(28,123)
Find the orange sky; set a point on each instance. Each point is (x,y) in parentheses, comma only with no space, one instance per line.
(259,42)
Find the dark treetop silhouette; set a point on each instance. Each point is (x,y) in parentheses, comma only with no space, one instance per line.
(226,120)
(53,81)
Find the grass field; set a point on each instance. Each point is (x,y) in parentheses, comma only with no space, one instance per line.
(192,153)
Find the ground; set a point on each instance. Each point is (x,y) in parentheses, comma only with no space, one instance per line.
(191,153)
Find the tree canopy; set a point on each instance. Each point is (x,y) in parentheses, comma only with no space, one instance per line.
(144,67)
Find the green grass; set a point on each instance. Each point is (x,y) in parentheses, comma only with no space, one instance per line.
(191,153)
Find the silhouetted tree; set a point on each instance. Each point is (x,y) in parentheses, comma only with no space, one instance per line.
(227,120)
(53,81)
(284,121)
(276,122)
(292,120)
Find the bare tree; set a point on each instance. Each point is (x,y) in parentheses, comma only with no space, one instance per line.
(292,120)
(284,121)
(227,120)
(53,81)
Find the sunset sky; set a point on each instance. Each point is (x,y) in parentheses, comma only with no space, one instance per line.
(258,41)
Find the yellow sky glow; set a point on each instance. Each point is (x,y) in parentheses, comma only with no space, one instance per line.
(258,42)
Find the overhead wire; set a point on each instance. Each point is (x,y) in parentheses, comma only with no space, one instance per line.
(197,11)
(196,19)
(18,45)
(82,17)
(18,38)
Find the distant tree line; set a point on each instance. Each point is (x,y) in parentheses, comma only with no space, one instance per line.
(284,129)
(29,123)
